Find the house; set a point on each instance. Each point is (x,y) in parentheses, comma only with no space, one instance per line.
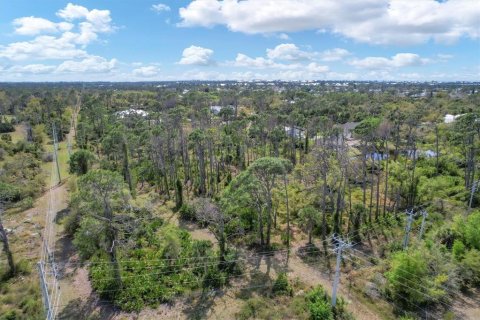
(131,112)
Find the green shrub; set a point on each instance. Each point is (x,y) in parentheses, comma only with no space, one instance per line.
(6,137)
(26,203)
(6,127)
(321,310)
(458,249)
(252,309)
(9,192)
(10,315)
(281,286)
(187,212)
(23,267)
(471,266)
(214,278)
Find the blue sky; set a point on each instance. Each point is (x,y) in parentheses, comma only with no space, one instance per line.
(141,40)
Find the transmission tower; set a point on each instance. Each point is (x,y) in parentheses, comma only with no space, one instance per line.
(410,216)
(55,152)
(340,246)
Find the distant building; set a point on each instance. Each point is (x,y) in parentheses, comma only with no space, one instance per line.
(296,132)
(131,112)
(449,118)
(216,109)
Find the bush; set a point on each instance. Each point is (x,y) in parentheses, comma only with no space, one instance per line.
(321,310)
(23,267)
(254,308)
(281,285)
(214,278)
(9,192)
(6,137)
(471,266)
(26,203)
(81,161)
(458,249)
(187,212)
(47,157)
(6,127)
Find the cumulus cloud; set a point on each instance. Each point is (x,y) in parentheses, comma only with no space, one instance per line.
(91,64)
(288,51)
(334,54)
(194,55)
(32,69)
(146,71)
(370,21)
(30,26)
(42,48)
(397,61)
(242,60)
(160,7)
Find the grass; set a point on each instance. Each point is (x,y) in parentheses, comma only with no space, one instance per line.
(63,163)
(18,134)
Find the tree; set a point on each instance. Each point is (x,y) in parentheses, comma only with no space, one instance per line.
(6,246)
(266,170)
(101,192)
(81,161)
(218,223)
(309,217)
(407,277)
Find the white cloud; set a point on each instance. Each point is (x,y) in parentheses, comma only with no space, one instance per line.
(334,54)
(243,60)
(42,48)
(315,68)
(68,45)
(146,72)
(30,26)
(397,61)
(91,64)
(288,51)
(160,7)
(95,21)
(371,21)
(194,55)
(32,68)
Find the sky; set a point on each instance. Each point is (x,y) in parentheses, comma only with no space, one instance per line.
(144,40)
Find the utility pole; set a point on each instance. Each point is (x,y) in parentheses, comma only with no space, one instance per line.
(55,151)
(410,216)
(46,296)
(422,228)
(340,246)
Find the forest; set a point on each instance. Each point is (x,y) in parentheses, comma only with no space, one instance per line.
(239,201)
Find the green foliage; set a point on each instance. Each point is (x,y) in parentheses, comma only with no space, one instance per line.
(6,127)
(26,203)
(458,249)
(407,266)
(80,161)
(471,267)
(156,270)
(282,286)
(9,192)
(187,212)
(90,237)
(472,230)
(309,217)
(321,310)
(319,305)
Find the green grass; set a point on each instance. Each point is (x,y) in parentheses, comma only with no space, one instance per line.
(63,163)
(18,134)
